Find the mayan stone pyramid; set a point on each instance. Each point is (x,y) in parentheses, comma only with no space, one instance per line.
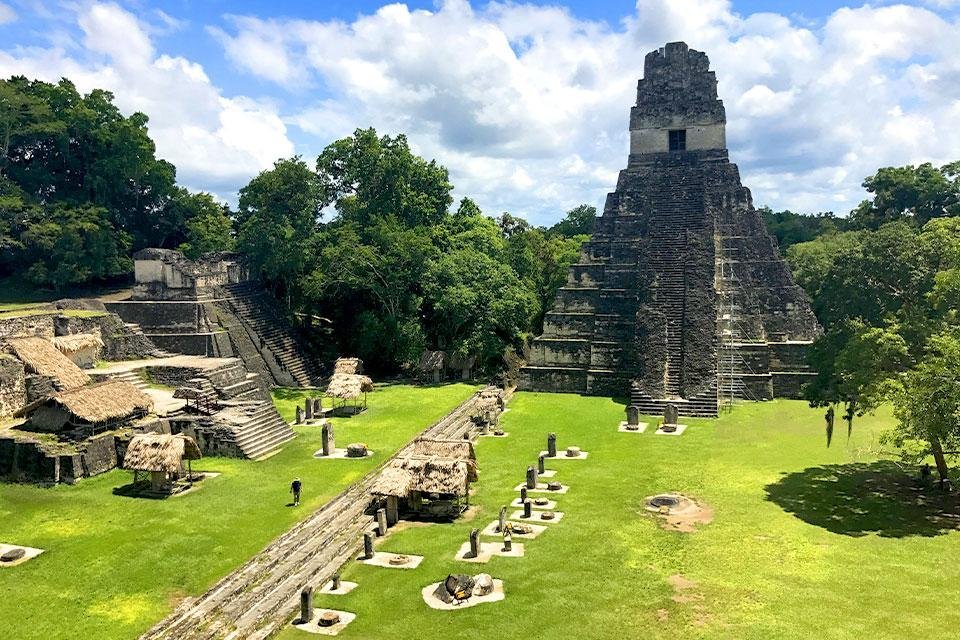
(680,296)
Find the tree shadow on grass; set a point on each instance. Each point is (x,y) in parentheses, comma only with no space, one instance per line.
(858,499)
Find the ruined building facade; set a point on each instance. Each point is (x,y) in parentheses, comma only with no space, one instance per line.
(680,296)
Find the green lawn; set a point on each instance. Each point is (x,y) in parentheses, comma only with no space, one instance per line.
(807,542)
(113,566)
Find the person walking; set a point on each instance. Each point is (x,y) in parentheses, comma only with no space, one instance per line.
(295,488)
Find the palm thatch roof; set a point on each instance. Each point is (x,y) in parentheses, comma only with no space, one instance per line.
(77,342)
(103,402)
(348,365)
(159,452)
(430,466)
(426,475)
(456,449)
(432,360)
(42,358)
(349,385)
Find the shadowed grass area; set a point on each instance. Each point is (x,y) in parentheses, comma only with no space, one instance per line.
(115,565)
(791,552)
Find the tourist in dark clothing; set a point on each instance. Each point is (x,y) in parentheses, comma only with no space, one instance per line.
(295,488)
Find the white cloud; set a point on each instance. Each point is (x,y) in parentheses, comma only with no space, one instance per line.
(7,14)
(528,105)
(216,142)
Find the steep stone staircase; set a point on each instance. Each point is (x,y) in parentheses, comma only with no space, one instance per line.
(268,330)
(258,428)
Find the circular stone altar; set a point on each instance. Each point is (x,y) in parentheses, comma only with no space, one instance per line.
(328,619)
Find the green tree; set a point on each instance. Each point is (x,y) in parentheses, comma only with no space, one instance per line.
(927,403)
(73,245)
(917,194)
(791,228)
(578,221)
(366,177)
(277,217)
(208,224)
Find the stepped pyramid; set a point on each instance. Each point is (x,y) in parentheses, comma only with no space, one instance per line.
(680,296)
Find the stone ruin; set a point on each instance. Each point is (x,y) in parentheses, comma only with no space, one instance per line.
(212,307)
(680,296)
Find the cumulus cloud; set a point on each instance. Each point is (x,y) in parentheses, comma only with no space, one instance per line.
(528,105)
(216,142)
(7,14)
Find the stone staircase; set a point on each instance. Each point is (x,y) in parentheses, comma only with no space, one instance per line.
(703,405)
(136,330)
(267,329)
(260,430)
(132,378)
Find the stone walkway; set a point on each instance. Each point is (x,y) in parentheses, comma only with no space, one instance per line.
(262,595)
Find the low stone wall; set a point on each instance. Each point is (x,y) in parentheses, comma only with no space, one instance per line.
(28,325)
(23,459)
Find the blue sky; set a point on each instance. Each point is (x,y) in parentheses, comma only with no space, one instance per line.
(526,103)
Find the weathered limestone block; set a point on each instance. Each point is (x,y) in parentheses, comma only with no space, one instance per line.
(13,386)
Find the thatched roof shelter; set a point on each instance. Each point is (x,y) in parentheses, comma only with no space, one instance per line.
(433,447)
(348,365)
(77,342)
(426,475)
(349,385)
(160,452)
(431,466)
(42,358)
(99,404)
(432,360)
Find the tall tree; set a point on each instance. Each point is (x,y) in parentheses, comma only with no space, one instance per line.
(917,194)
(277,216)
(578,221)
(367,176)
(927,403)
